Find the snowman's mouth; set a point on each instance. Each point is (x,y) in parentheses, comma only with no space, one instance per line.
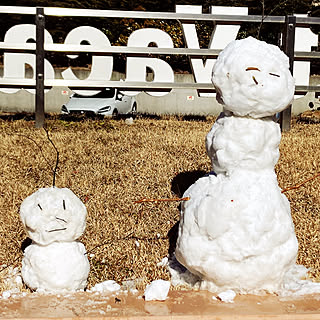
(55,230)
(58,228)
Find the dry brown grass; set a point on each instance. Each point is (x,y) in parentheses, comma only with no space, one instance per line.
(110,164)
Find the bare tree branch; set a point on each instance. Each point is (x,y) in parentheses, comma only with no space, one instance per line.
(57,159)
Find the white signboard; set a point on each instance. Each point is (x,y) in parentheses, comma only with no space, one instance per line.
(136,67)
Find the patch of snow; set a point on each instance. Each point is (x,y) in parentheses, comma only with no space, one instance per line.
(108,285)
(109,308)
(227,296)
(12,282)
(295,283)
(18,280)
(180,276)
(6,294)
(163,262)
(157,290)
(134,291)
(129,121)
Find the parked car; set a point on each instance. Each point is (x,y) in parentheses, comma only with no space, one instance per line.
(108,102)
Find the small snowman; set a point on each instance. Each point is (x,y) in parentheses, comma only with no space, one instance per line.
(54,218)
(236,231)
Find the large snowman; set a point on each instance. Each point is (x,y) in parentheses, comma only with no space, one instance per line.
(54,218)
(236,230)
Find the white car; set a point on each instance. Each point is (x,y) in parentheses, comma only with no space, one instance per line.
(108,102)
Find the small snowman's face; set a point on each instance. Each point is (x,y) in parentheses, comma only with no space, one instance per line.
(53,214)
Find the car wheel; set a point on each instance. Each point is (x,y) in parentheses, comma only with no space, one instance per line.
(134,108)
(115,113)
(133,111)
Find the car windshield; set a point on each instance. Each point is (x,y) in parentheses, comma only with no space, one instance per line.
(105,93)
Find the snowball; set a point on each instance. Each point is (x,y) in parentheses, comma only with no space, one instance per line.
(59,266)
(227,296)
(18,280)
(236,232)
(53,214)
(12,280)
(108,285)
(157,290)
(234,143)
(252,78)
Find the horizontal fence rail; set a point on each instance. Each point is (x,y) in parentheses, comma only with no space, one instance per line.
(40,48)
(105,50)
(96,84)
(184,17)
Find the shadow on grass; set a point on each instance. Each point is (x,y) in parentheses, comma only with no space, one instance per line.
(65,117)
(27,116)
(17,116)
(25,243)
(172,116)
(180,183)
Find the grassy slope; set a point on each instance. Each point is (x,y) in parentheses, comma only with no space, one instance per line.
(110,164)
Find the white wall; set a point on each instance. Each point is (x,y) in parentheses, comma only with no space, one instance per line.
(178,101)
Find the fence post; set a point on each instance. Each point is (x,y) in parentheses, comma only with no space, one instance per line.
(289,37)
(39,99)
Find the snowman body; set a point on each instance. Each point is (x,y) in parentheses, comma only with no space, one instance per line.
(236,230)
(57,266)
(54,218)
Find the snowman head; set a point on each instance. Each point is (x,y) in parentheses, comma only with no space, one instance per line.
(252,78)
(53,214)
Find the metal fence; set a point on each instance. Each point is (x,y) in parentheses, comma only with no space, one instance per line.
(40,48)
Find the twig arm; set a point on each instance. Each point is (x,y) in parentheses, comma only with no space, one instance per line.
(301,184)
(162,200)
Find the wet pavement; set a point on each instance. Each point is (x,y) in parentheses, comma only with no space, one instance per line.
(179,305)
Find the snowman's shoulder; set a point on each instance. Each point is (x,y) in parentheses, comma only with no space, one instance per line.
(202,184)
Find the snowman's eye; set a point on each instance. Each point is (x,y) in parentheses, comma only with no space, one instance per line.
(255,80)
(275,75)
(39,206)
(252,68)
(64,205)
